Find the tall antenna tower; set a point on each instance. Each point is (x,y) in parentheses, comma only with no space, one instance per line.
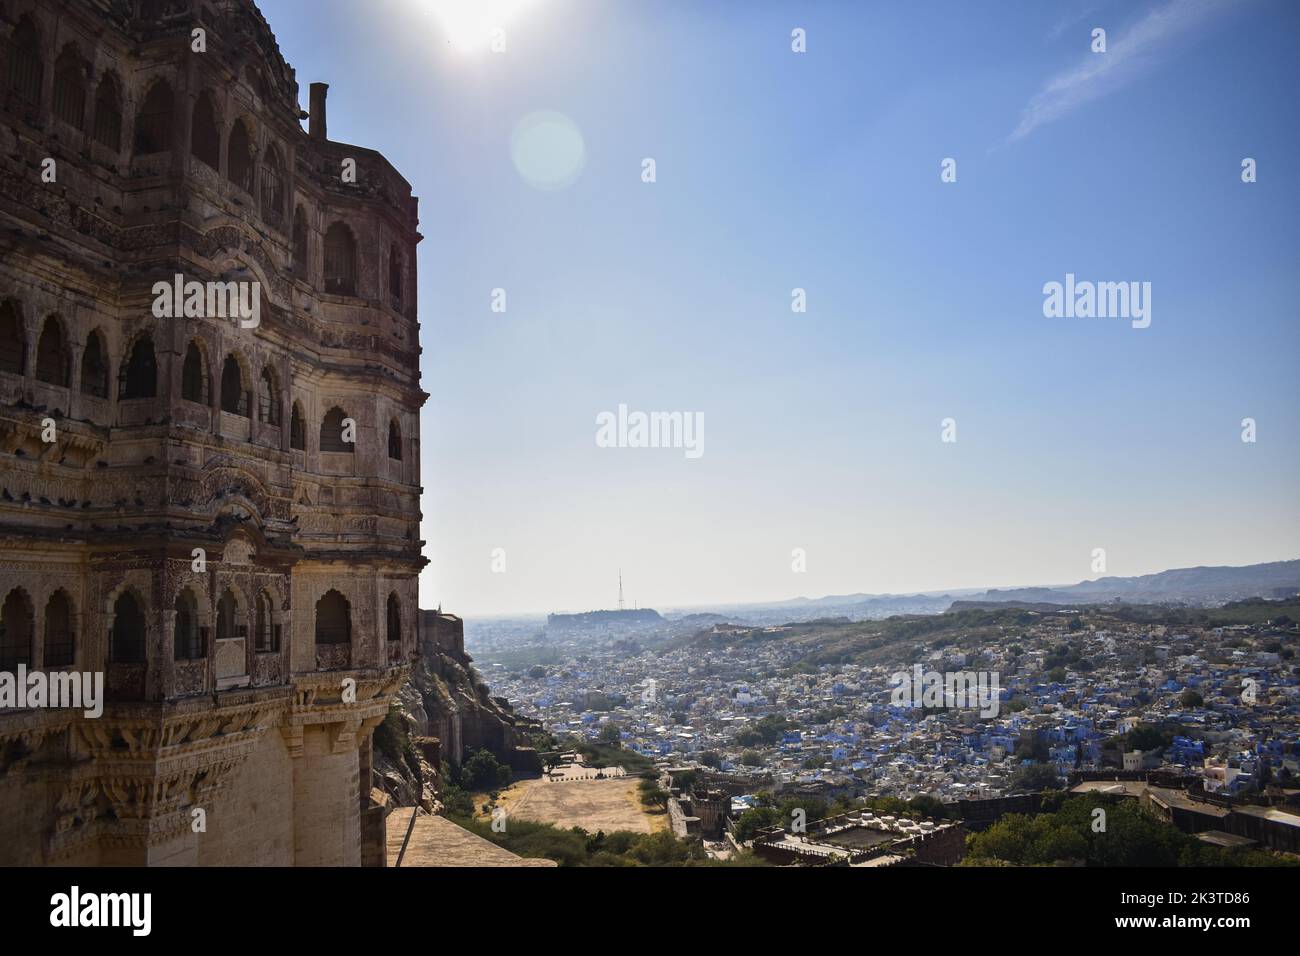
(620,589)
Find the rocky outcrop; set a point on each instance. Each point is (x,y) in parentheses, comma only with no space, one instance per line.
(446,712)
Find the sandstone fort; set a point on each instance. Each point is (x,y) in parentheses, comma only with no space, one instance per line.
(222,517)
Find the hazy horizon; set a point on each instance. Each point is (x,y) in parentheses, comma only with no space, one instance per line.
(820,171)
(774,601)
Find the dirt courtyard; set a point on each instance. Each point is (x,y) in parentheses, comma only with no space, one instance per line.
(591,804)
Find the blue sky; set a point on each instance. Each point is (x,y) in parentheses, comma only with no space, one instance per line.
(820,170)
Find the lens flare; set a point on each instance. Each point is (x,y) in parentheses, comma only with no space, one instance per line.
(548,150)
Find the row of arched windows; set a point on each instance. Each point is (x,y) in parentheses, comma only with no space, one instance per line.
(26,81)
(333,625)
(54,357)
(189,639)
(17,630)
(155,127)
(236,397)
(340,260)
(154,122)
(139,376)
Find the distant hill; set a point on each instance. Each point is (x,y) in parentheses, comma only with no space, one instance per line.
(590,619)
(890,605)
(1191,587)
(1200,587)
(968,625)
(700,620)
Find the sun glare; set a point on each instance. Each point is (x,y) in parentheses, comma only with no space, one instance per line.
(474,26)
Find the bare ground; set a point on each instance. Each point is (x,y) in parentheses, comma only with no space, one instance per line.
(591,804)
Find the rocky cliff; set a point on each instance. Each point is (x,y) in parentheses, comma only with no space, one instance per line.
(445,713)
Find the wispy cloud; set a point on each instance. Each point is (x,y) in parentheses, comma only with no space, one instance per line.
(1070,20)
(1127,56)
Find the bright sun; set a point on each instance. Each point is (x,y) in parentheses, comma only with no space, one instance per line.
(469,26)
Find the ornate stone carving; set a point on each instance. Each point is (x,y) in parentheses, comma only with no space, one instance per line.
(117,506)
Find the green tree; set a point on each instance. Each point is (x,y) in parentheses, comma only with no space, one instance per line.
(1146,737)
(611,735)
(457,802)
(1035,776)
(685,779)
(755,819)
(1131,837)
(482,771)
(1032,746)
(654,797)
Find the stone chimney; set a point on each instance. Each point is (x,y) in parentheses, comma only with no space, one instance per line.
(316,124)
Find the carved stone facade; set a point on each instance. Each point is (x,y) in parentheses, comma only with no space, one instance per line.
(226,520)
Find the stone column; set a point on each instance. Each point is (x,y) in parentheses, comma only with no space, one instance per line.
(157,659)
(38,636)
(169,369)
(29,361)
(286,401)
(79,656)
(326,817)
(177,342)
(167,664)
(214,382)
(183,115)
(250,643)
(75,350)
(109,618)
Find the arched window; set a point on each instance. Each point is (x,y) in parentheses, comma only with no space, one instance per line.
(153,124)
(228,615)
(70,77)
(108,114)
(26,71)
(268,398)
(94,366)
(205,140)
(239,157)
(297,428)
(300,242)
(52,354)
(394,617)
(188,643)
(395,276)
(126,641)
(333,619)
(334,433)
(59,638)
(194,376)
(273,188)
(234,395)
(139,376)
(267,636)
(13,339)
(16,626)
(394,440)
(340,260)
